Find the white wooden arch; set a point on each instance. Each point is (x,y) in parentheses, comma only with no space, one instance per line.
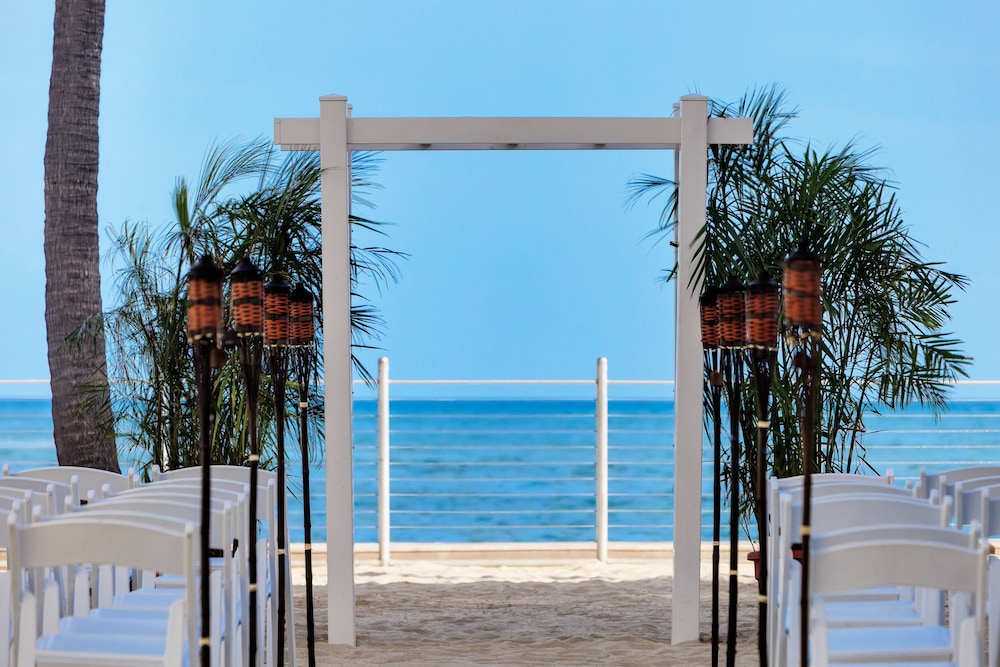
(336,133)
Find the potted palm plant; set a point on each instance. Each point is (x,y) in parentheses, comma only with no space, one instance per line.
(275,221)
(885,307)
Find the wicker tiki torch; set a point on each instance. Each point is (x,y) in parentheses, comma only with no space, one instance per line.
(301,334)
(803,320)
(204,333)
(732,339)
(708,308)
(762,339)
(247,307)
(276,322)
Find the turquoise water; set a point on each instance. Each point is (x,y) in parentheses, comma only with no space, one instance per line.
(523,470)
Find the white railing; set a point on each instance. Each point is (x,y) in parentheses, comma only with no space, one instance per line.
(611,481)
(601,490)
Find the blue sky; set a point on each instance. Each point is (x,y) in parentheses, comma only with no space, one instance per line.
(522,264)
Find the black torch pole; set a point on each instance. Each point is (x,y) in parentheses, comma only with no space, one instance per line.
(278,364)
(250,361)
(301,334)
(276,338)
(304,368)
(732,338)
(203,374)
(804,357)
(762,335)
(247,298)
(708,308)
(803,317)
(717,498)
(736,419)
(204,333)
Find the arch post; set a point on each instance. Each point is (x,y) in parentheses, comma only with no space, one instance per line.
(692,180)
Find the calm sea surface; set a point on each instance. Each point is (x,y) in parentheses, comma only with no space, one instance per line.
(503,470)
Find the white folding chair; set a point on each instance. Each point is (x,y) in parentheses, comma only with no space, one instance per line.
(778,528)
(82,540)
(833,512)
(911,556)
(112,590)
(132,601)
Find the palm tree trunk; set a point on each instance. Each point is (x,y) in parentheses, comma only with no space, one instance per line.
(81,401)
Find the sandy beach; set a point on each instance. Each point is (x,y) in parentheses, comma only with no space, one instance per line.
(580,611)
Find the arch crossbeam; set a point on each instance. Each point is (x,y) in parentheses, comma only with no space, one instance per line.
(335,134)
(464,133)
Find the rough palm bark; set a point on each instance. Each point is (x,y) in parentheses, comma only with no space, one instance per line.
(81,406)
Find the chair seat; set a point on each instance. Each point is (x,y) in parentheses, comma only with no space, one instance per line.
(915,643)
(116,613)
(148,598)
(95,625)
(881,613)
(86,649)
(864,594)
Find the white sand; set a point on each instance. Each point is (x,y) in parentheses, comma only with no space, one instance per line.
(569,612)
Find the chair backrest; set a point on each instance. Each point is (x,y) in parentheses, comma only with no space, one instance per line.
(922,556)
(855,510)
(943,482)
(830,477)
(27,498)
(190,487)
(89,479)
(970,496)
(222,515)
(231,472)
(824,484)
(10,503)
(832,482)
(224,493)
(55,494)
(192,483)
(981,505)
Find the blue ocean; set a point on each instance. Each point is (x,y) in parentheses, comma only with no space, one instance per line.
(523,470)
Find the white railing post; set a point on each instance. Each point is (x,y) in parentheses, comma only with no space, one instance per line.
(383,460)
(601,494)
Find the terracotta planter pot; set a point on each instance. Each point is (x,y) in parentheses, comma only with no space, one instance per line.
(754,557)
